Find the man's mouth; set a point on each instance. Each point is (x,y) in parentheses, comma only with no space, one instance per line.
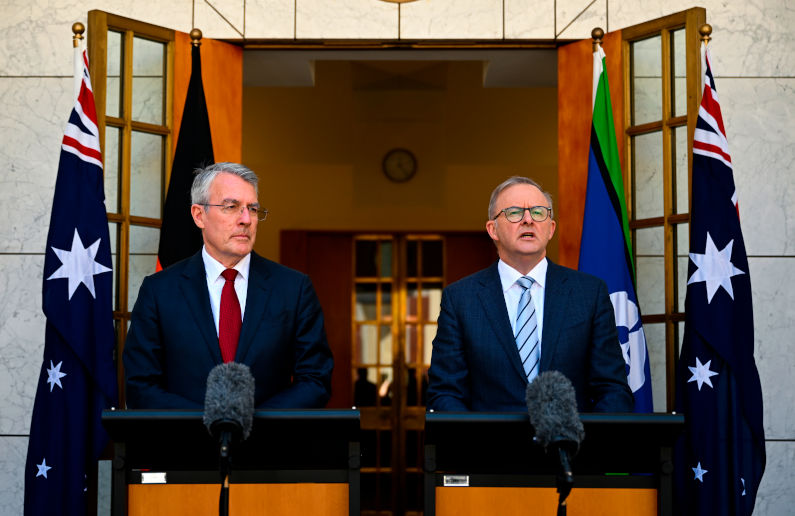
(527,234)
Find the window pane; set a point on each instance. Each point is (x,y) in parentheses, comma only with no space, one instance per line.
(148,81)
(143,259)
(113,85)
(432,258)
(679,151)
(655,343)
(412,300)
(366,266)
(647,175)
(679,69)
(366,344)
(650,272)
(364,389)
(112,170)
(646,81)
(386,345)
(412,346)
(386,301)
(682,246)
(365,302)
(386,259)
(411,258)
(113,229)
(428,334)
(146,179)
(431,299)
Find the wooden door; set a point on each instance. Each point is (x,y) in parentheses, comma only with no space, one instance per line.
(380,294)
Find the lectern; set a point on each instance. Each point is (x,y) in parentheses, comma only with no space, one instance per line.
(294,462)
(488,463)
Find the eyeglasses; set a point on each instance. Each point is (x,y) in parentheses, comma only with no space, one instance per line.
(516,213)
(235,208)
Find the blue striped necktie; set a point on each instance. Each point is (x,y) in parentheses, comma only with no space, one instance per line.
(527,330)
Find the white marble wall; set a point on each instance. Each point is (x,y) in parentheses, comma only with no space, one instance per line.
(755,73)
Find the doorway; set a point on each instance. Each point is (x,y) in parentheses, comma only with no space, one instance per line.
(380,293)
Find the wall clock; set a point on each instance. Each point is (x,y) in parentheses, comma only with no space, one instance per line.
(399,165)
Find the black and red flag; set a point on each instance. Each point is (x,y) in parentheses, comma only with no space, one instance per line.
(179,236)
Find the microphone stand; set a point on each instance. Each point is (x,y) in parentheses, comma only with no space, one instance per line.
(564,480)
(227,434)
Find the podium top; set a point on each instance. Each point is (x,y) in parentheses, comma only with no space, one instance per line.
(485,441)
(178,439)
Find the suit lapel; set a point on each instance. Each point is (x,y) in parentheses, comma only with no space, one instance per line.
(256,300)
(197,298)
(493,301)
(556,297)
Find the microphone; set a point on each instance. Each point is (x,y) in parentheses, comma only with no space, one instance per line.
(229,404)
(552,407)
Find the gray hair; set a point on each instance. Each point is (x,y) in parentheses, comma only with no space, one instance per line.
(200,190)
(511,181)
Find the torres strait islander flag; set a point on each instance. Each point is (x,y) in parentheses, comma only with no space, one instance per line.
(605,249)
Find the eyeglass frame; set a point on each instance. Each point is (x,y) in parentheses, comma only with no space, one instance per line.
(262,213)
(530,209)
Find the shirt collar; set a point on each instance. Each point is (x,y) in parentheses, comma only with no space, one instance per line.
(509,275)
(214,268)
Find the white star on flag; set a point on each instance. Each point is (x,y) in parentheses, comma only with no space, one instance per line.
(701,373)
(78,265)
(699,473)
(43,468)
(54,375)
(715,267)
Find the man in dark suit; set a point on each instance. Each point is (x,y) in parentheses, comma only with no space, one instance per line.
(500,327)
(187,318)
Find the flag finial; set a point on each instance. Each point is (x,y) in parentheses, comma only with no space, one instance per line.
(77,30)
(597,34)
(706,32)
(196,37)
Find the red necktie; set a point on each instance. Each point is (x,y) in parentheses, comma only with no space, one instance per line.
(230,320)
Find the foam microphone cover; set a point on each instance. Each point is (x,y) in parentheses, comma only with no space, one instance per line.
(552,407)
(230,397)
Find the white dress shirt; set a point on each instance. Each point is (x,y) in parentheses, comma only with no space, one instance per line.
(215,283)
(513,291)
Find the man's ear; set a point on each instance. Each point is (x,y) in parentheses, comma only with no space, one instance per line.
(198,214)
(491,229)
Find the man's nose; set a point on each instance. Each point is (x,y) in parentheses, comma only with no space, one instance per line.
(245,216)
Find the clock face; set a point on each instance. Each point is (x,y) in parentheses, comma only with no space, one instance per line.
(399,165)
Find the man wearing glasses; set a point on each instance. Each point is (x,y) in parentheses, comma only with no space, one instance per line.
(500,327)
(226,303)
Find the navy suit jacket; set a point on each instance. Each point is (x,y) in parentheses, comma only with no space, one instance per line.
(172,344)
(475,363)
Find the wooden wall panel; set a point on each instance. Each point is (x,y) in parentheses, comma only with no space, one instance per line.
(480,501)
(575,105)
(271,499)
(222,77)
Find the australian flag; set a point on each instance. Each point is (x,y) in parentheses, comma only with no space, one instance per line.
(721,458)
(77,378)
(605,249)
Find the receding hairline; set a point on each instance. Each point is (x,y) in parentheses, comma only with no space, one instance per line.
(514,181)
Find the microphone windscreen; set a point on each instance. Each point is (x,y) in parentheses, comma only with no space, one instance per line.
(230,396)
(552,407)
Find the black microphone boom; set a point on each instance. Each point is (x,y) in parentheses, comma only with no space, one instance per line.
(228,415)
(552,407)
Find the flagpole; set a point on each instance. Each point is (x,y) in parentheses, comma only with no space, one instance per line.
(77,42)
(597,35)
(706,33)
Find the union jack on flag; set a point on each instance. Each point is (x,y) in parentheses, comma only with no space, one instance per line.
(78,378)
(721,457)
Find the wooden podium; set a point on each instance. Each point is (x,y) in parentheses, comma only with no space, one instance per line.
(488,463)
(294,462)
